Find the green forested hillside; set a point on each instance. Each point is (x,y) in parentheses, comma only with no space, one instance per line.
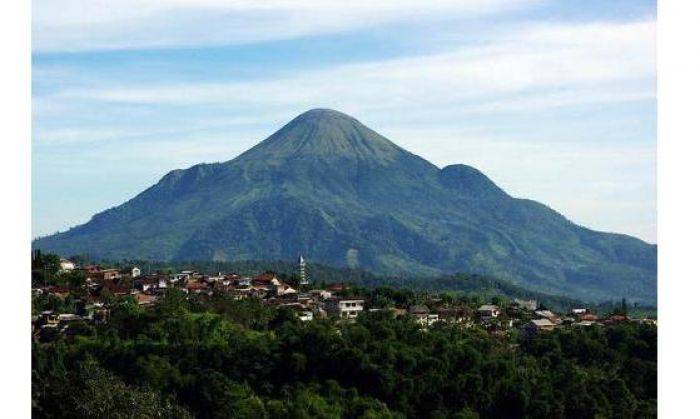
(332,189)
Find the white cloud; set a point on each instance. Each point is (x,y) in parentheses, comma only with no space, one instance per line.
(533,67)
(125,24)
(121,134)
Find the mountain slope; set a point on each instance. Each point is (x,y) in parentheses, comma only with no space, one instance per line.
(331,188)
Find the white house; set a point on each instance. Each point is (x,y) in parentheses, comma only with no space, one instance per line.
(306,316)
(345,309)
(67,265)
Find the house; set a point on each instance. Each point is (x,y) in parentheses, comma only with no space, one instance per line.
(306,315)
(66,265)
(183,276)
(116,287)
(242,282)
(145,299)
(133,272)
(110,274)
(546,314)
(530,305)
(344,308)
(453,314)
(195,287)
(268,283)
(588,317)
(617,318)
(92,272)
(48,317)
(320,294)
(418,311)
(259,291)
(305,299)
(537,326)
(150,282)
(488,311)
(68,318)
(422,315)
(264,278)
(579,311)
(281,288)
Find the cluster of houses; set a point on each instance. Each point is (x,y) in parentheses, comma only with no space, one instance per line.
(331,301)
(48,325)
(146,289)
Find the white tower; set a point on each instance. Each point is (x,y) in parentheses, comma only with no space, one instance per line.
(302,271)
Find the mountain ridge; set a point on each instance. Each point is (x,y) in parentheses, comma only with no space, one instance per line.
(328,186)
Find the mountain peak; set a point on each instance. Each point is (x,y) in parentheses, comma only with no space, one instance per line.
(324,114)
(325,133)
(326,117)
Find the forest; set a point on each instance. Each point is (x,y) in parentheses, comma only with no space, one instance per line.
(216,357)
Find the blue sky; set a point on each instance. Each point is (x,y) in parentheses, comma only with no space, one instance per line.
(555,101)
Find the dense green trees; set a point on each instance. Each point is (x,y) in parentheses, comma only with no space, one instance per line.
(220,358)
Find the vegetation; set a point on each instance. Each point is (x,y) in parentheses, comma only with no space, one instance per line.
(215,357)
(331,188)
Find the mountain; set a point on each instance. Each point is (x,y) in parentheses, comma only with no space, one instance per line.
(327,186)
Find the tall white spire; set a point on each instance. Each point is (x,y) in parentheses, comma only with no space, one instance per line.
(302,271)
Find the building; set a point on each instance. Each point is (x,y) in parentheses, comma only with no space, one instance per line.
(453,314)
(422,315)
(488,311)
(145,299)
(546,314)
(526,304)
(67,265)
(617,318)
(302,271)
(588,317)
(537,326)
(344,308)
(280,288)
(109,274)
(91,270)
(306,315)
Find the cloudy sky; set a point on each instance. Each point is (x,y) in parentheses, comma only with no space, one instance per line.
(554,100)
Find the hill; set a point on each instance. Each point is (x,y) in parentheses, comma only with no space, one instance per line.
(327,186)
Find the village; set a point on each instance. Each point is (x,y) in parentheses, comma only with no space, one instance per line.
(335,301)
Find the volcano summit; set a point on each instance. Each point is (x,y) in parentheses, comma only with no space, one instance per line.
(327,186)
